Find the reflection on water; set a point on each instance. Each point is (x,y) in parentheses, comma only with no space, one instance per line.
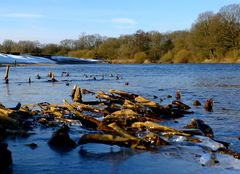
(7,89)
(196,82)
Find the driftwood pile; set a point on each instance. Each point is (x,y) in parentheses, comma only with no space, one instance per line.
(118,118)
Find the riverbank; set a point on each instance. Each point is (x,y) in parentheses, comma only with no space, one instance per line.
(205,61)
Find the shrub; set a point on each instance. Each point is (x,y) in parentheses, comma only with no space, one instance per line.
(140,57)
(166,58)
(182,56)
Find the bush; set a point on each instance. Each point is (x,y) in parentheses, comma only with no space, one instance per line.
(166,58)
(232,55)
(82,53)
(182,56)
(140,57)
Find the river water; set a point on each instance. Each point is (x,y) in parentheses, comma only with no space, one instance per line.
(196,82)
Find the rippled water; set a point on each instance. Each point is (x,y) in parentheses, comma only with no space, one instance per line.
(220,82)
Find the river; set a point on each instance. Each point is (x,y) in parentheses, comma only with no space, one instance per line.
(196,82)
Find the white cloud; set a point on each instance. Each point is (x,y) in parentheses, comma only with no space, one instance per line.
(124,21)
(123,27)
(22,15)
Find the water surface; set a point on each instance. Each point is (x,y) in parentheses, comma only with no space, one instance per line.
(196,82)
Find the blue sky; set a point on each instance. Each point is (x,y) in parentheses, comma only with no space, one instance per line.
(55,20)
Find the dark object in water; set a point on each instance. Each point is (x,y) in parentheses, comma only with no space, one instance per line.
(86,121)
(85,91)
(76,94)
(230,152)
(17,107)
(147,142)
(6,74)
(196,103)
(126,83)
(52,76)
(42,121)
(199,124)
(65,74)
(181,105)
(5,157)
(117,77)
(208,106)
(61,138)
(38,76)
(32,145)
(178,95)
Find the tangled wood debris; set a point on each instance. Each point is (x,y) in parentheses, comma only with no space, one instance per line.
(117,118)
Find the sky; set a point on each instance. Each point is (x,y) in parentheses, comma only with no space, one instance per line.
(50,21)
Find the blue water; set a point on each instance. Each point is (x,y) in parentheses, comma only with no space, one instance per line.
(196,82)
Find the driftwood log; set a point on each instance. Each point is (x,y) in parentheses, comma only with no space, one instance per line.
(76,94)
(6,74)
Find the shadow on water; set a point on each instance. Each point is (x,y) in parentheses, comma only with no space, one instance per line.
(7,89)
(8,171)
(61,150)
(117,156)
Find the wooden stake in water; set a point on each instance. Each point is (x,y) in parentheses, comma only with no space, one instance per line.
(6,74)
(76,94)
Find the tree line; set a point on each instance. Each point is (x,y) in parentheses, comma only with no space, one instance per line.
(213,37)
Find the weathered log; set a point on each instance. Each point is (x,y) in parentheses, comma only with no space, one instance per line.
(92,102)
(123,94)
(17,107)
(52,76)
(150,115)
(85,107)
(76,94)
(6,74)
(110,98)
(157,127)
(86,121)
(112,107)
(104,139)
(152,141)
(178,95)
(73,91)
(125,113)
(181,105)
(199,124)
(134,106)
(85,91)
(146,102)
(148,142)
(196,103)
(7,112)
(121,131)
(208,106)
(229,152)
(56,112)
(123,118)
